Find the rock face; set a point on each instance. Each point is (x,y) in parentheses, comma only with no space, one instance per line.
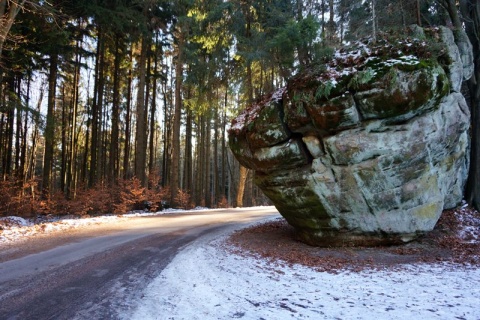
(368,149)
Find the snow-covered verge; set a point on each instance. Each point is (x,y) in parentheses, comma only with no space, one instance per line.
(15,228)
(207,281)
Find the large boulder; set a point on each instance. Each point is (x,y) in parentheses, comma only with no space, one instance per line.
(369,148)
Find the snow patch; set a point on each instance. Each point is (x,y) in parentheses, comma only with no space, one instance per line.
(205,281)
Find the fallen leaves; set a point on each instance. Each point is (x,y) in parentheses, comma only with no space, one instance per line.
(455,240)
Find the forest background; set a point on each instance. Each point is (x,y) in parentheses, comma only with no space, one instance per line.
(112,105)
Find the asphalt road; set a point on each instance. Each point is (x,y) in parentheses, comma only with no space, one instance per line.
(102,276)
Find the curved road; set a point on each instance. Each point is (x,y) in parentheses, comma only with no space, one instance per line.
(101,276)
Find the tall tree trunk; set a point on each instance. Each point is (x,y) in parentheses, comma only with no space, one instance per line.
(208,178)
(97,106)
(418,13)
(23,154)
(175,170)
(166,136)
(64,129)
(9,132)
(148,72)
(114,147)
(331,22)
(71,172)
(187,176)
(200,172)
(141,126)
(216,169)
(224,192)
(18,130)
(50,127)
(31,165)
(153,110)
(241,185)
(126,152)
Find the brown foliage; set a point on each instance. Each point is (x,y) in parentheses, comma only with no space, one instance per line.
(223,203)
(183,199)
(23,199)
(19,197)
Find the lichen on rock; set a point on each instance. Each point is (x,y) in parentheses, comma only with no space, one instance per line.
(368,148)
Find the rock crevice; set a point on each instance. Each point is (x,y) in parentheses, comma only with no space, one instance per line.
(368,149)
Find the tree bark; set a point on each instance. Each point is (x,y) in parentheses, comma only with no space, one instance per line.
(208,180)
(141,127)
(241,185)
(50,127)
(126,152)
(97,109)
(187,175)
(175,170)
(153,110)
(114,147)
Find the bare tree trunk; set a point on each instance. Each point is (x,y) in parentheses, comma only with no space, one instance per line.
(9,129)
(141,127)
(114,145)
(208,185)
(187,176)
(224,193)
(126,153)
(175,171)
(97,106)
(71,173)
(331,22)
(153,110)
(23,155)
(31,165)
(216,169)
(50,127)
(63,169)
(18,130)
(241,185)
(419,16)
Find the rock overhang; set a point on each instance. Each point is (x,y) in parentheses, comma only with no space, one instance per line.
(366,149)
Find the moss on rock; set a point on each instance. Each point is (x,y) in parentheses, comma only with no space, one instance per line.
(366,149)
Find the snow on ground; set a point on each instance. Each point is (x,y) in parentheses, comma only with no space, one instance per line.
(15,228)
(205,281)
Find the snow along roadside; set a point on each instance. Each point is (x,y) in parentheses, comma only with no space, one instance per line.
(13,228)
(204,281)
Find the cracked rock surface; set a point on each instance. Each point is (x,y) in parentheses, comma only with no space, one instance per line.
(367,149)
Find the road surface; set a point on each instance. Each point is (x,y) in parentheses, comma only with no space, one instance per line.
(99,276)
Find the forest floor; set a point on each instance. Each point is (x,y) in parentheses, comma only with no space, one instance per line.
(455,239)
